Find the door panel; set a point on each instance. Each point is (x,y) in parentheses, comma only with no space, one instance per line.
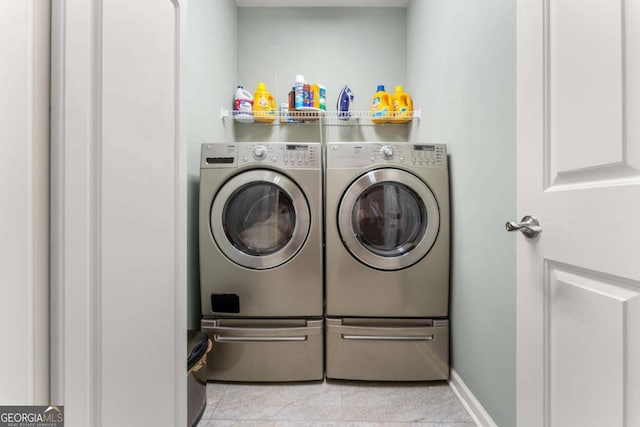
(585,84)
(588,337)
(577,169)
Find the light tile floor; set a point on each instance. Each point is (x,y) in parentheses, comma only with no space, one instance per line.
(335,403)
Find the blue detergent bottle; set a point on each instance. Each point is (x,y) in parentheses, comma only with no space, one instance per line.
(345,98)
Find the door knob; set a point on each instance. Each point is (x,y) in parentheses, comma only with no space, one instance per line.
(528,225)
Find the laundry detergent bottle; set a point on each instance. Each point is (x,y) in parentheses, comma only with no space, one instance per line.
(264,106)
(402,106)
(381,106)
(243,106)
(298,92)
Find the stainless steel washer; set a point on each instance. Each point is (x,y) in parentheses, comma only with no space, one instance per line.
(261,263)
(387,261)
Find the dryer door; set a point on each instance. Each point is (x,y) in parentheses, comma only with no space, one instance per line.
(260,219)
(388,219)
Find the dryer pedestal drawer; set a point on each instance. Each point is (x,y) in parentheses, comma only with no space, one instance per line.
(387,349)
(265,349)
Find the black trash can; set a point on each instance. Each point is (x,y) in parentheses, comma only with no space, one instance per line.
(198,345)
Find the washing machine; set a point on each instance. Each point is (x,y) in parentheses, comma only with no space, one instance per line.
(387,261)
(261,260)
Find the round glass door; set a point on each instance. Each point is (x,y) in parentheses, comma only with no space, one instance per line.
(388,219)
(260,219)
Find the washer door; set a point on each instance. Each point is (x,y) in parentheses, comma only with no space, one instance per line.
(260,219)
(388,219)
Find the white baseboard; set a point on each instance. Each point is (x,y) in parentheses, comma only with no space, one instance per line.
(480,416)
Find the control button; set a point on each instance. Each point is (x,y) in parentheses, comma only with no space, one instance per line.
(413,160)
(306,160)
(373,159)
(286,159)
(274,158)
(260,152)
(386,152)
(402,159)
(334,147)
(244,159)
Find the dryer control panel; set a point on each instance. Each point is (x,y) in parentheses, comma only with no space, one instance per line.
(291,155)
(405,153)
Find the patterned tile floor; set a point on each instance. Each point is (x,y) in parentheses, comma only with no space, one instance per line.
(335,403)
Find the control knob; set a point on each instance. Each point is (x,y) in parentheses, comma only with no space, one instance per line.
(386,152)
(260,152)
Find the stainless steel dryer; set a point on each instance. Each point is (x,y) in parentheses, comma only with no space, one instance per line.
(387,261)
(261,269)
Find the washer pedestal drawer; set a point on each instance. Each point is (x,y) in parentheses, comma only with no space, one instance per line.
(269,350)
(387,349)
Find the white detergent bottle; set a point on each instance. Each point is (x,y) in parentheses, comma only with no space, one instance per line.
(299,92)
(243,106)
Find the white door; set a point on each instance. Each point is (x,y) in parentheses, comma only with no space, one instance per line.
(118,266)
(578,162)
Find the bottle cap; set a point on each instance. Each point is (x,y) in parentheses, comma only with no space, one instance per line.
(299,78)
(380,88)
(399,89)
(261,86)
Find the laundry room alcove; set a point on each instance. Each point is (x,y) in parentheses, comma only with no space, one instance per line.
(459,73)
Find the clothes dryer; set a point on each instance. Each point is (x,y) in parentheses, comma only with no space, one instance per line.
(387,261)
(261,263)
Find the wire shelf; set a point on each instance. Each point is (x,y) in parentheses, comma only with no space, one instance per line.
(331,118)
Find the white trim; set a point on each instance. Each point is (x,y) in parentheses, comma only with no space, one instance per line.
(38,164)
(477,412)
(57,207)
(95,213)
(30,255)
(75,322)
(181,212)
(24,202)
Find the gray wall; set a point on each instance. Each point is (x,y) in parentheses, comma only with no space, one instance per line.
(461,66)
(212,69)
(358,47)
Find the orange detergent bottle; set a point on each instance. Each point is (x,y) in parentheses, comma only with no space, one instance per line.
(381,106)
(264,106)
(402,106)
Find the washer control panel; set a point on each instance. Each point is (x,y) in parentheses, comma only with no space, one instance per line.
(296,155)
(366,153)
